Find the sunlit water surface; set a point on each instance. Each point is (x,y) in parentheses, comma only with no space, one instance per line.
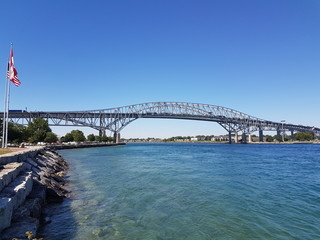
(190,191)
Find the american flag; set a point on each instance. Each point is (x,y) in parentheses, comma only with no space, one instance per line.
(12,73)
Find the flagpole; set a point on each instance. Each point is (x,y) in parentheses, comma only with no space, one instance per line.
(5,145)
(6,108)
(7,127)
(12,77)
(4,120)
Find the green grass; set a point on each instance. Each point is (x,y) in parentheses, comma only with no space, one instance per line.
(4,152)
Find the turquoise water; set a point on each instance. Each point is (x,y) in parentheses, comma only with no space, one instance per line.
(191,191)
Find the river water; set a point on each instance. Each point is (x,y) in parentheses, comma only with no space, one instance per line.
(190,191)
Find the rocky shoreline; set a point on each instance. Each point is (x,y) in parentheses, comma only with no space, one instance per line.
(29,179)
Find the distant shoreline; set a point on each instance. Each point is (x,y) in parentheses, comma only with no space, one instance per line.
(224,142)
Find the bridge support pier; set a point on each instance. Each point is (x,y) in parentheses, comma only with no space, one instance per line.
(249,138)
(102,132)
(278,133)
(230,140)
(235,137)
(244,138)
(292,135)
(116,137)
(260,135)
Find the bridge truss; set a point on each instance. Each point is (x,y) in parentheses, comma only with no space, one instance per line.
(115,119)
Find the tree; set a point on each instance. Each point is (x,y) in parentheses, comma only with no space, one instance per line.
(37,130)
(17,133)
(170,139)
(74,135)
(68,137)
(51,137)
(304,136)
(269,138)
(278,138)
(208,138)
(107,139)
(97,138)
(90,137)
(78,136)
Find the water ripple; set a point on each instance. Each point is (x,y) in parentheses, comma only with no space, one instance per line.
(192,191)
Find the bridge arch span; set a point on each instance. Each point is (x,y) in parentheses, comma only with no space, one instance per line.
(115,119)
(177,110)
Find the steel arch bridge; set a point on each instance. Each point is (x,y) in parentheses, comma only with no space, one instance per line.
(115,119)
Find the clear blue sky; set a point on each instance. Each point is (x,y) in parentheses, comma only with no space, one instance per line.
(261,57)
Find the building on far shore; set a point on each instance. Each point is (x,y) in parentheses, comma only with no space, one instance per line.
(221,138)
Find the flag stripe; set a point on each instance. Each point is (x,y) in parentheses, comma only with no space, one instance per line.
(12,73)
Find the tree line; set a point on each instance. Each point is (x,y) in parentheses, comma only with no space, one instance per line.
(299,136)
(38,130)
